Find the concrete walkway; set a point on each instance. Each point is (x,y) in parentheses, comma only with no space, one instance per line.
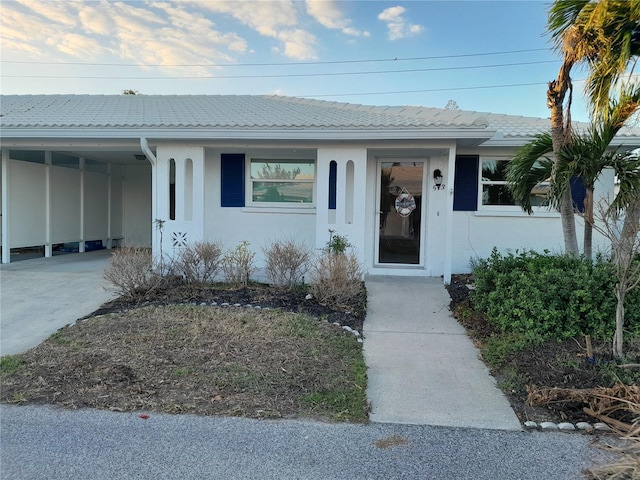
(423,369)
(39,296)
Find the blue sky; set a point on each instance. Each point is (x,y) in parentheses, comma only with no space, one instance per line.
(370,52)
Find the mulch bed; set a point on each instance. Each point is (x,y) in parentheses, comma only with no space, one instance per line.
(351,314)
(552,365)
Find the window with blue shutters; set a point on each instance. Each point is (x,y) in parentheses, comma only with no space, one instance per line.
(232,180)
(465,189)
(578,193)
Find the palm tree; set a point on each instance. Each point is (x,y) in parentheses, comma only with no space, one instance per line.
(584,156)
(605,35)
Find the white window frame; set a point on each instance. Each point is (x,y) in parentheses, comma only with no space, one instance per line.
(505,209)
(275,159)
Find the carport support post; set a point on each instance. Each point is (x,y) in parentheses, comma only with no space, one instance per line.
(6,233)
(48,248)
(81,165)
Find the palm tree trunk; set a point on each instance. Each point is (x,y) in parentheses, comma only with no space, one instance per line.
(588,224)
(555,101)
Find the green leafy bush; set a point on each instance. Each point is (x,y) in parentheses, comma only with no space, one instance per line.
(554,296)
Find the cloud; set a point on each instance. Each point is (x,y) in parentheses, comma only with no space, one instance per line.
(327,13)
(79,46)
(156,31)
(55,12)
(274,19)
(298,44)
(153,32)
(398,27)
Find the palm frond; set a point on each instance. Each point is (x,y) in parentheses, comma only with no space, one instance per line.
(529,168)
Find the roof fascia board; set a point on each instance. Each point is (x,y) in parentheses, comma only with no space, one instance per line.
(519,141)
(246,134)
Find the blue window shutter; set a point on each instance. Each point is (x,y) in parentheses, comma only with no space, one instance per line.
(232,180)
(333,180)
(578,193)
(465,189)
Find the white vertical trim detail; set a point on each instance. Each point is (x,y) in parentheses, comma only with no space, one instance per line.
(48,247)
(448,248)
(81,166)
(6,233)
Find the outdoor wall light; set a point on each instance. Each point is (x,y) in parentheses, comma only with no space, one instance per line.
(437,180)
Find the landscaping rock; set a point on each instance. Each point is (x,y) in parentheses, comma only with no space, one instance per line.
(584,426)
(566,426)
(602,427)
(548,426)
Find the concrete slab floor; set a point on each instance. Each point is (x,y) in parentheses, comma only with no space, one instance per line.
(39,296)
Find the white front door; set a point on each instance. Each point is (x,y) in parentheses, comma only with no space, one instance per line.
(401,206)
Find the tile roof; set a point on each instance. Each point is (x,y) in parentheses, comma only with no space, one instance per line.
(213,111)
(249,112)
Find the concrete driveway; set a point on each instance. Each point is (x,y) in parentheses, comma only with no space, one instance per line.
(39,296)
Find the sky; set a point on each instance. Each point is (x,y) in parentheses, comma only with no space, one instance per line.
(487,56)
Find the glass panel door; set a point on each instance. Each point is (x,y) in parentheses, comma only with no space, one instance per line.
(400,212)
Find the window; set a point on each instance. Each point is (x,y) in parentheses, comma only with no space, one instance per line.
(281,182)
(494,193)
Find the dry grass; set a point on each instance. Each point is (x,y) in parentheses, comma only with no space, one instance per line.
(197,359)
(628,464)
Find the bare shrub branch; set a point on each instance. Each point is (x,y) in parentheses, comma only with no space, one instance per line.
(130,272)
(336,277)
(287,263)
(238,265)
(199,262)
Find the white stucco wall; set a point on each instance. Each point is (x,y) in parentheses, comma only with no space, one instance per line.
(96,206)
(27,204)
(65,205)
(137,218)
(260,226)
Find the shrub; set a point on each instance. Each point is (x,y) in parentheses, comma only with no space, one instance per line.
(199,262)
(287,263)
(336,277)
(130,272)
(238,265)
(337,243)
(554,296)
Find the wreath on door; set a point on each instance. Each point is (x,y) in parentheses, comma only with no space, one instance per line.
(405,203)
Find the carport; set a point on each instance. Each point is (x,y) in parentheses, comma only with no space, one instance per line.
(79,197)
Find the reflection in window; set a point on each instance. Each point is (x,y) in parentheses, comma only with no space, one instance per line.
(282,181)
(495,191)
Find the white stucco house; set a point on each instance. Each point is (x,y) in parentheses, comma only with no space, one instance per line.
(417,191)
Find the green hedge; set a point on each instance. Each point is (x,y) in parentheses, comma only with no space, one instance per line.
(555,296)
